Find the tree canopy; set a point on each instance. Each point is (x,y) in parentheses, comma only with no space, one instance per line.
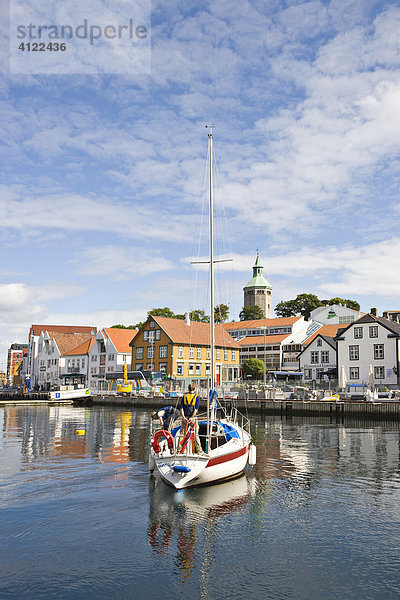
(254,367)
(251,313)
(221,313)
(304,304)
(123,327)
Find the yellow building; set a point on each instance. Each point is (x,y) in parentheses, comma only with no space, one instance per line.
(181,350)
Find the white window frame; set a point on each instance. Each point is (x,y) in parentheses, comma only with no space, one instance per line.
(373,331)
(358,333)
(379,352)
(314,357)
(324,356)
(163,351)
(354,373)
(354,352)
(180,351)
(379,372)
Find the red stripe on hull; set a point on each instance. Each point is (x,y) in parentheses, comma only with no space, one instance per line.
(226,457)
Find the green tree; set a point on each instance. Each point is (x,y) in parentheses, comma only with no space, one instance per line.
(303,304)
(124,327)
(221,313)
(161,312)
(251,313)
(344,302)
(254,367)
(199,315)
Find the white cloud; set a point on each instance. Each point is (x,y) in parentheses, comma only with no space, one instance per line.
(120,261)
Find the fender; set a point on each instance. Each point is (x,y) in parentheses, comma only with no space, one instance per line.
(162,433)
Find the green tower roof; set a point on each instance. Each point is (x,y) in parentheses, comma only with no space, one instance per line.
(258,279)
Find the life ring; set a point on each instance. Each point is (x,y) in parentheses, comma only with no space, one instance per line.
(165,434)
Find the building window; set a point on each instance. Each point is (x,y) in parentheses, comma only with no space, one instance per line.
(379,372)
(180,352)
(307,373)
(225,354)
(324,356)
(139,353)
(373,331)
(208,369)
(145,335)
(124,358)
(314,357)
(198,369)
(218,353)
(139,366)
(152,324)
(208,353)
(358,333)
(233,354)
(158,334)
(378,351)
(198,353)
(163,367)
(163,351)
(354,353)
(149,366)
(319,342)
(150,351)
(354,373)
(191,369)
(191,352)
(83,363)
(179,369)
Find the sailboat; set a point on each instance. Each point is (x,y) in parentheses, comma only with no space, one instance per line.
(225,438)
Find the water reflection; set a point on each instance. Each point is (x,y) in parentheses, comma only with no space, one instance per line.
(176,519)
(317,517)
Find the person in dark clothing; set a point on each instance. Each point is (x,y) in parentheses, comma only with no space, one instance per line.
(166,416)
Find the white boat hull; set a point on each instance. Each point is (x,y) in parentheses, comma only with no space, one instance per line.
(223,463)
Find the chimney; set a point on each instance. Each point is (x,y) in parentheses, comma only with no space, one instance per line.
(187,320)
(374,312)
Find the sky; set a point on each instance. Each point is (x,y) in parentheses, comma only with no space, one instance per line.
(102,189)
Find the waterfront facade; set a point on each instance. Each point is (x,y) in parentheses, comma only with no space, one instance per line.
(370,342)
(33,340)
(16,363)
(277,342)
(107,356)
(51,360)
(180,350)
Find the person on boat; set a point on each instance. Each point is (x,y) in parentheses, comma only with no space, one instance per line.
(189,408)
(167,416)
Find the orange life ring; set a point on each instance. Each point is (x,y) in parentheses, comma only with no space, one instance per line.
(165,434)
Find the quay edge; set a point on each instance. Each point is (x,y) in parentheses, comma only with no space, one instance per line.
(386,410)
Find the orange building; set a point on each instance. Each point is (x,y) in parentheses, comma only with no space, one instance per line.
(180,350)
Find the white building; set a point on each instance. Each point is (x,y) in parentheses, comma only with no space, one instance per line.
(336,314)
(374,341)
(318,359)
(33,339)
(277,342)
(108,355)
(50,362)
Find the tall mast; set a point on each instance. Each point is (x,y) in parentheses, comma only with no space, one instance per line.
(211,213)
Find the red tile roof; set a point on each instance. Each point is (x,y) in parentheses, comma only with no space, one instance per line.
(68,341)
(194,334)
(121,337)
(255,324)
(82,348)
(37,329)
(328,330)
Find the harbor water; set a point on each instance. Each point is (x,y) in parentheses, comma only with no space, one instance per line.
(318,517)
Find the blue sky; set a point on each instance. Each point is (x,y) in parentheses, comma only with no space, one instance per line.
(101,187)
